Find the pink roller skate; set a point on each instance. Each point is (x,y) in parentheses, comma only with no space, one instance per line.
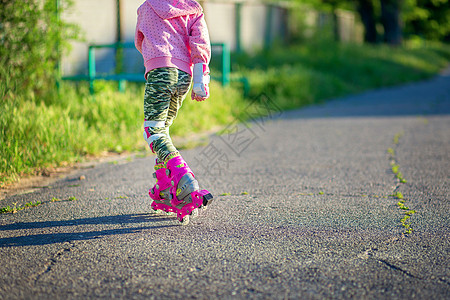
(187,197)
(160,193)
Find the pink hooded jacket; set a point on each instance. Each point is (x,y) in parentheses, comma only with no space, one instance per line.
(172,33)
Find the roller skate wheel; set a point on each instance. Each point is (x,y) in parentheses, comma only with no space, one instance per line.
(194,213)
(185,220)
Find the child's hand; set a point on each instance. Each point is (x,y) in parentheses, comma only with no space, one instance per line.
(200,89)
(198,97)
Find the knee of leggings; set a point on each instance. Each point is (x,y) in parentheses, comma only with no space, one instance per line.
(153,130)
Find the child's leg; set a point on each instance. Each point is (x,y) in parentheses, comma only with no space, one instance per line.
(182,89)
(165,91)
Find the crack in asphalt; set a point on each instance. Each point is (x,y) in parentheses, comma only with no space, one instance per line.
(406,211)
(394,267)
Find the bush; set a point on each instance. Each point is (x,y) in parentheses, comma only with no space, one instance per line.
(32,38)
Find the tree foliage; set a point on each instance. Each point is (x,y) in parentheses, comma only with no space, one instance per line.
(32,37)
(390,20)
(429,19)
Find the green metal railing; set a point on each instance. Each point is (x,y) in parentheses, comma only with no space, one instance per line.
(122,78)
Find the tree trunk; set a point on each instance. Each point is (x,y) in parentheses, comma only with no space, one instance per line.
(367,14)
(336,29)
(390,17)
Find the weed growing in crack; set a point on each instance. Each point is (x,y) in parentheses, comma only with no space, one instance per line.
(407,212)
(398,195)
(391,152)
(397,137)
(16,208)
(405,221)
(394,165)
(395,168)
(399,176)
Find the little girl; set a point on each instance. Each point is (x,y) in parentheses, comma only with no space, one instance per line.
(173,39)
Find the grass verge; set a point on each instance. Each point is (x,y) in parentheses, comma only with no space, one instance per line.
(37,133)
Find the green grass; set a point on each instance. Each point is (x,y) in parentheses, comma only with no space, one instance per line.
(37,133)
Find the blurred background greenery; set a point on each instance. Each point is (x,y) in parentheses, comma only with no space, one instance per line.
(47,122)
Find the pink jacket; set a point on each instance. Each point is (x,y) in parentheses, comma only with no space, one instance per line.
(171,33)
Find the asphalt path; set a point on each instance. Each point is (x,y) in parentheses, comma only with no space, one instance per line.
(304,209)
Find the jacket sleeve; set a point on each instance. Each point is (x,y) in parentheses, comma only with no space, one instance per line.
(199,41)
(139,36)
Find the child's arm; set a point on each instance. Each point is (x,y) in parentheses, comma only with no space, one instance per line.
(139,36)
(200,55)
(199,42)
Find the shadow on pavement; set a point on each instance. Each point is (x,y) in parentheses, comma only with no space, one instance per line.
(53,238)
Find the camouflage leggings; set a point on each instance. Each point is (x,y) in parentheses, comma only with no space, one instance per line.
(165,90)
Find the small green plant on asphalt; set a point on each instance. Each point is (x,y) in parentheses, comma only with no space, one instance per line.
(16,208)
(5,209)
(397,137)
(406,224)
(72,198)
(395,168)
(407,213)
(225,194)
(401,205)
(398,195)
(391,152)
(54,199)
(399,176)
